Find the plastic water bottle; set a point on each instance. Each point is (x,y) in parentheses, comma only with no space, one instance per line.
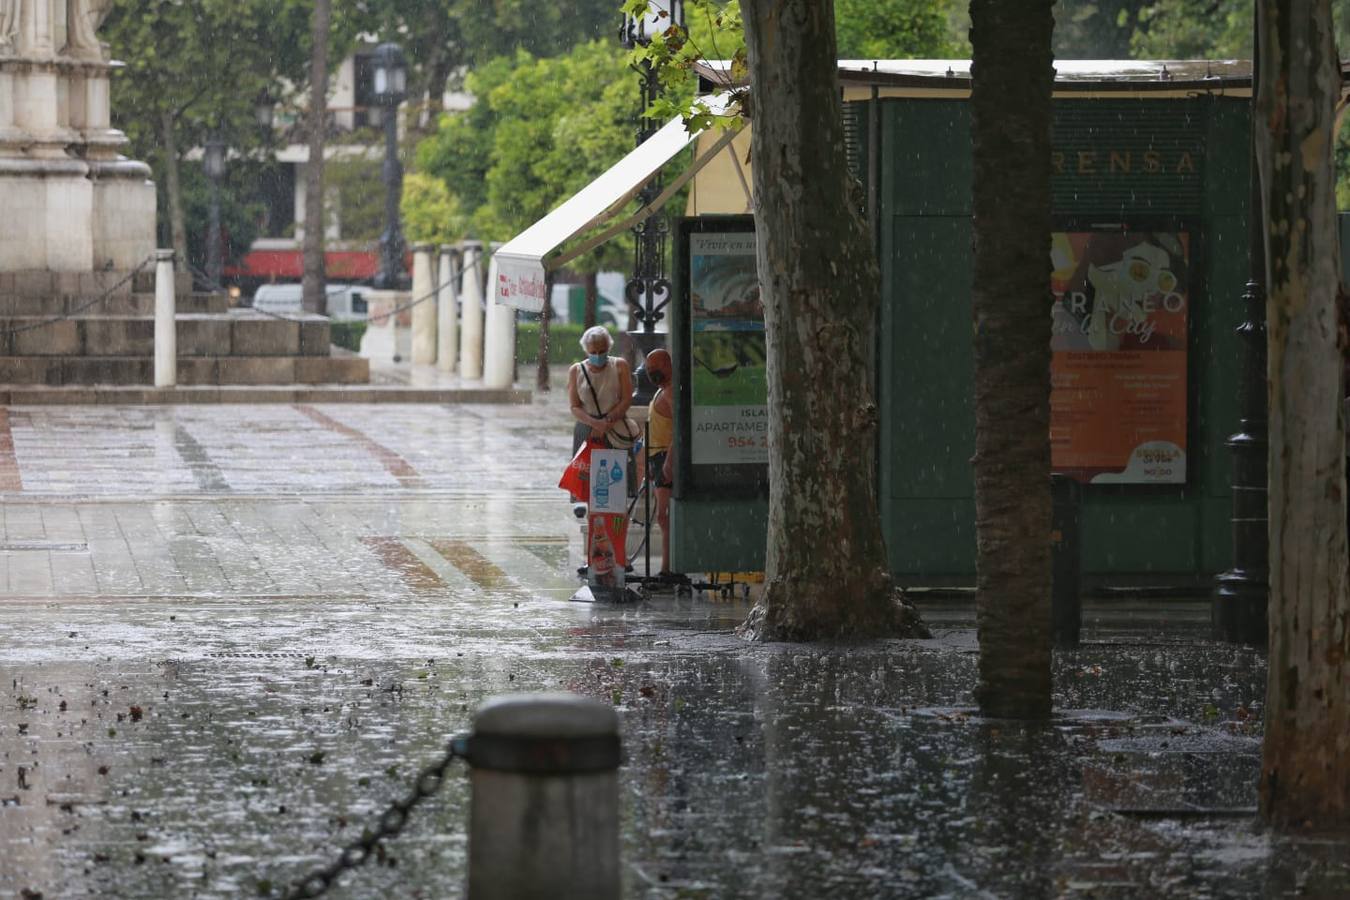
(601,489)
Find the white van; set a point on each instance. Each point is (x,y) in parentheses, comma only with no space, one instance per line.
(346,302)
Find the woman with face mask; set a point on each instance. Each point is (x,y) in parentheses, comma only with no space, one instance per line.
(600,389)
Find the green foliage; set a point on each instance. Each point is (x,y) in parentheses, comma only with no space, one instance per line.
(541,130)
(563,338)
(239,214)
(347,335)
(891,29)
(1194,29)
(359,190)
(431,214)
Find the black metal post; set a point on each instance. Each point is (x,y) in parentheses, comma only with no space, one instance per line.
(648,291)
(1238,612)
(214,263)
(391,275)
(1066,594)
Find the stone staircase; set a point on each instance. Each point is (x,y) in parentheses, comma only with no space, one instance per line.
(112,341)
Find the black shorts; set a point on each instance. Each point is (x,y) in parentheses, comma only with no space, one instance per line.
(656,467)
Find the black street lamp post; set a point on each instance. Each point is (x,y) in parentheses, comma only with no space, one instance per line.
(214,163)
(391,81)
(1238,613)
(648,291)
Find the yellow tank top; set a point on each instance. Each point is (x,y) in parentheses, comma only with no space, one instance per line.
(660,429)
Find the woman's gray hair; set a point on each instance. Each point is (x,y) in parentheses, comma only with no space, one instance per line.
(594,333)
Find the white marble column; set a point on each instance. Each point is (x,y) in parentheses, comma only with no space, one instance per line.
(471,323)
(499,343)
(424,313)
(447,312)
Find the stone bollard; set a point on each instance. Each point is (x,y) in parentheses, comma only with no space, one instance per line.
(1066,592)
(424,313)
(471,312)
(166,334)
(447,311)
(499,341)
(544,818)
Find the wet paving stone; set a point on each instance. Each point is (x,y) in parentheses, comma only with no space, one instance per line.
(268,642)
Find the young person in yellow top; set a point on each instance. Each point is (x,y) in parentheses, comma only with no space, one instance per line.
(660,443)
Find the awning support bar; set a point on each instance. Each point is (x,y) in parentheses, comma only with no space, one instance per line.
(557,262)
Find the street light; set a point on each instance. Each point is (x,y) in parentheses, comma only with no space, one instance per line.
(264,110)
(648,291)
(391,85)
(214,163)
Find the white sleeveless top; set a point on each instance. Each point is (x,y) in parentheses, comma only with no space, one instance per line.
(606,382)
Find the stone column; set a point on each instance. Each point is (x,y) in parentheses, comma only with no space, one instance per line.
(499,351)
(447,310)
(424,313)
(471,326)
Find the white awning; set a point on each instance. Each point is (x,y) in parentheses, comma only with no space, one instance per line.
(521,261)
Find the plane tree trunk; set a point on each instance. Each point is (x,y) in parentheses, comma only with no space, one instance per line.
(314,282)
(827,570)
(1305,781)
(1012,77)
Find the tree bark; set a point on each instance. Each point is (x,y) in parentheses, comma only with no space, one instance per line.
(1011,81)
(1305,781)
(827,571)
(173,189)
(541,379)
(592,299)
(314,285)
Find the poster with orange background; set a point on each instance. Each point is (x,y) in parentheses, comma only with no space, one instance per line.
(1118,404)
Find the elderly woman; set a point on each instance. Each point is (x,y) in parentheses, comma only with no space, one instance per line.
(600,389)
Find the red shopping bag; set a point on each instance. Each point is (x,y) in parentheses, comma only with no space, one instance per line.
(576,478)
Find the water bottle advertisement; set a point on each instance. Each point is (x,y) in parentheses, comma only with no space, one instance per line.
(607,534)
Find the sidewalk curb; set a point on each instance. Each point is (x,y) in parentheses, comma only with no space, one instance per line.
(241,394)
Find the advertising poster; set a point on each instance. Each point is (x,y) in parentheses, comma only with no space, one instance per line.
(1118,372)
(729,389)
(607,534)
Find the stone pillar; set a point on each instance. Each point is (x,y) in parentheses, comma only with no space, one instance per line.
(424,313)
(499,351)
(447,311)
(471,324)
(166,334)
(544,814)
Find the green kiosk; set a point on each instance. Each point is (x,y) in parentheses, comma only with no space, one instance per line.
(1151,192)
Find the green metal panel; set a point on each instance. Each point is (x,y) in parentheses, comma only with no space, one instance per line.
(925,385)
(718,535)
(1117,158)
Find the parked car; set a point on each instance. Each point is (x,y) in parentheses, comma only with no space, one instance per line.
(346,302)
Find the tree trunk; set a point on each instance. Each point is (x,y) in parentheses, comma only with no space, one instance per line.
(173,189)
(541,379)
(592,299)
(1011,81)
(827,571)
(1305,781)
(315,288)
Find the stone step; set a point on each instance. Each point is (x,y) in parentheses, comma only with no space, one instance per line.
(58,371)
(80,305)
(42,283)
(232,334)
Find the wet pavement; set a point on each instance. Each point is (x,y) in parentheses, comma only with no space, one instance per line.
(231,635)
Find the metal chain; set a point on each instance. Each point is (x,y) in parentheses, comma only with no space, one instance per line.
(389,825)
(33,326)
(384,316)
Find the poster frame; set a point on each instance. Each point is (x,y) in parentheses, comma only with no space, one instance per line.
(709,481)
(1196,295)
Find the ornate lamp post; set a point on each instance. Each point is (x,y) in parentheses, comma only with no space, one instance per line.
(1238,613)
(391,84)
(214,163)
(264,111)
(648,291)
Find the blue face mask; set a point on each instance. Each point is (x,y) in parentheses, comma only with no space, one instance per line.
(598,360)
